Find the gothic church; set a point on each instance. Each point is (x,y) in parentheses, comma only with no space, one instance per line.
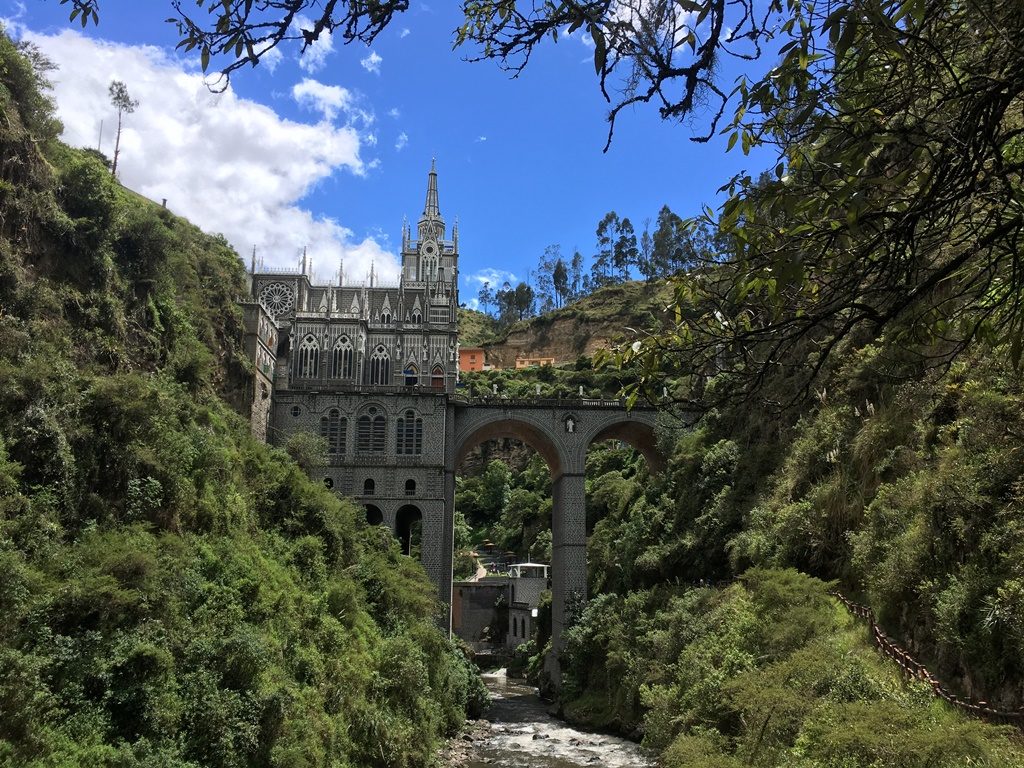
(368,368)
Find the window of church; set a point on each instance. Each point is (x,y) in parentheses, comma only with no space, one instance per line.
(380,366)
(437,377)
(368,487)
(309,358)
(332,429)
(412,376)
(417,316)
(409,434)
(440,315)
(385,317)
(342,359)
(370,431)
(410,487)
(296,411)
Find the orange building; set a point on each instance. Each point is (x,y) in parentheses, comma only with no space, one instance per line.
(471,359)
(534,362)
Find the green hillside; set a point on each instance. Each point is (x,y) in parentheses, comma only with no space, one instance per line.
(475,328)
(609,314)
(174,593)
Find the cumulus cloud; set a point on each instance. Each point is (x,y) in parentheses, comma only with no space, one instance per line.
(405,32)
(403,140)
(393,112)
(372,63)
(326,99)
(229,164)
(496,277)
(315,56)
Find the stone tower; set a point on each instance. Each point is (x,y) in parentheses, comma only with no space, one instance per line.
(368,366)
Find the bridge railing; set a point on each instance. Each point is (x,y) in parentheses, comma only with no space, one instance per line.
(546,402)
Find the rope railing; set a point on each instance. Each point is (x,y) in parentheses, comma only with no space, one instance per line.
(913,669)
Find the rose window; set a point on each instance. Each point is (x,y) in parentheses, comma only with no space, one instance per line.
(277,298)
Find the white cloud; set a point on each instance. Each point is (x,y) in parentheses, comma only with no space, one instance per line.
(496,277)
(271,58)
(326,99)
(481,139)
(393,112)
(402,141)
(372,63)
(405,32)
(229,164)
(315,56)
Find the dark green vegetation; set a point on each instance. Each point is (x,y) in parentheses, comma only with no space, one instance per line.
(767,672)
(174,593)
(474,327)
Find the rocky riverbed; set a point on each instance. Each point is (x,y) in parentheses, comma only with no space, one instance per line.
(518,732)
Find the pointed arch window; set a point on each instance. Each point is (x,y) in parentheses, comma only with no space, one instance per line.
(409,434)
(309,358)
(428,268)
(412,375)
(417,316)
(342,359)
(370,431)
(333,428)
(385,317)
(437,377)
(380,366)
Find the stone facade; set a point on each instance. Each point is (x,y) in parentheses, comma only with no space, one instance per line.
(372,369)
(260,343)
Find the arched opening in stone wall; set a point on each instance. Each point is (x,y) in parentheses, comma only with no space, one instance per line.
(619,462)
(373,515)
(502,518)
(578,469)
(409,529)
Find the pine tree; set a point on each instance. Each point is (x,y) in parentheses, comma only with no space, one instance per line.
(125,106)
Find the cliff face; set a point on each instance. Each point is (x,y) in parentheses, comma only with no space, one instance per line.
(595,322)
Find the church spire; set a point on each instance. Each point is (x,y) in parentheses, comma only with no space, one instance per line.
(430,208)
(431,225)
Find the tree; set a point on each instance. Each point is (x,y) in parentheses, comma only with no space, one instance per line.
(625,254)
(560,281)
(604,260)
(125,106)
(544,282)
(576,276)
(486,297)
(668,244)
(645,261)
(241,32)
(524,300)
(893,209)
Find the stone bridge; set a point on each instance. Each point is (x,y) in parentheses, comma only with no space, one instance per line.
(561,431)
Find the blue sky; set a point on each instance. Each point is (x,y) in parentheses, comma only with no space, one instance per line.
(330,150)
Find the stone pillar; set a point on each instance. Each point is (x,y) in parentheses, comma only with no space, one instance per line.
(569,551)
(444,584)
(436,553)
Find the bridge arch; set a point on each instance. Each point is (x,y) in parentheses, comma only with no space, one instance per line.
(638,434)
(561,432)
(524,429)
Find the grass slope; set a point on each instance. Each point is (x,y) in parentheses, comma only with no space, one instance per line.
(174,593)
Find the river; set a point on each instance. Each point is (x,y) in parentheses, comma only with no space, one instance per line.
(518,732)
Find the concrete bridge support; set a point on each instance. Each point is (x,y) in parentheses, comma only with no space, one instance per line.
(569,552)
